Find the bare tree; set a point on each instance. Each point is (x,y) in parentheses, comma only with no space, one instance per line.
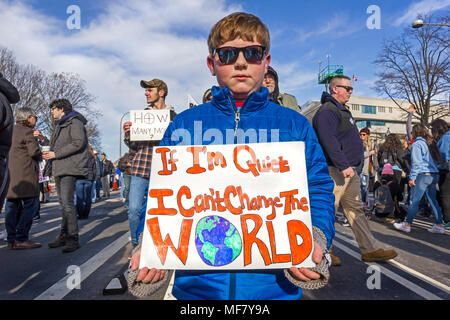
(38,89)
(415,67)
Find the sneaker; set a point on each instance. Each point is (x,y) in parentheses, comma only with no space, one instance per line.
(445,225)
(437,229)
(379,255)
(402,227)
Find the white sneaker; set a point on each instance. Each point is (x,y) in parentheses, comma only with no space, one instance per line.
(402,227)
(3,235)
(437,229)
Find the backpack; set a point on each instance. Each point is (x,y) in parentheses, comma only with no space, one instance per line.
(390,158)
(384,203)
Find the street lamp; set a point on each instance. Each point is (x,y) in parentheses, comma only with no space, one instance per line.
(120,134)
(419,23)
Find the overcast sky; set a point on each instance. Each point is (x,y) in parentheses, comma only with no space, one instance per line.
(120,43)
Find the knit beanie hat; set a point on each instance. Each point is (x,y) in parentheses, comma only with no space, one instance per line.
(365,130)
(387,169)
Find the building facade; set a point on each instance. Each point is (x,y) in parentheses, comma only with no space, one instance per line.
(381,116)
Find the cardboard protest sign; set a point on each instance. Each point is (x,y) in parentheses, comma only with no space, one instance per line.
(148,125)
(228,207)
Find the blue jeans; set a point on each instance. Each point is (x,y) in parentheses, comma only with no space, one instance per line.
(364,186)
(98,187)
(19,215)
(121,183)
(83,190)
(425,184)
(137,196)
(94,186)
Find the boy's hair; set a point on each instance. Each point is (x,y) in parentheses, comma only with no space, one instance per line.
(62,104)
(242,25)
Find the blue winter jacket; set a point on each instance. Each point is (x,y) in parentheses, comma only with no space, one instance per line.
(204,125)
(444,148)
(421,160)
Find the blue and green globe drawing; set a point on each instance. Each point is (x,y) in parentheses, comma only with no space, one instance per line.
(217,240)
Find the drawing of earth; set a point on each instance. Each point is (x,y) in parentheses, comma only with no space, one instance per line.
(217,240)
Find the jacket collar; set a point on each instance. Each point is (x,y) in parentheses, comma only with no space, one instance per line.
(224,101)
(326,97)
(71,115)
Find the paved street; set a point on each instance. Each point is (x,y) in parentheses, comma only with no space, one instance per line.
(420,272)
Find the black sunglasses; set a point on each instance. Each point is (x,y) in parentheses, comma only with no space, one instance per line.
(229,55)
(348,88)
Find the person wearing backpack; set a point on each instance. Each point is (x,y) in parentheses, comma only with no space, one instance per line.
(392,152)
(387,196)
(423,178)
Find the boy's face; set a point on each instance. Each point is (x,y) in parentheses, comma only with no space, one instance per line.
(241,77)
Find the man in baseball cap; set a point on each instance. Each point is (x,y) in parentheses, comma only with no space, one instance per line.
(155,83)
(156,93)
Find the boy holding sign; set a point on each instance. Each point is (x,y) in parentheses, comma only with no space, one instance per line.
(240,112)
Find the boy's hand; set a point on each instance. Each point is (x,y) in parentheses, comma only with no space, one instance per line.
(145,275)
(305,274)
(412,183)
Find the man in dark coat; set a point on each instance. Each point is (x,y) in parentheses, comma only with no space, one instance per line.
(23,193)
(343,149)
(69,162)
(8,95)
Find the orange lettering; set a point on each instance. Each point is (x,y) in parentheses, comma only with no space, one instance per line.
(304,204)
(186,192)
(233,210)
(196,169)
(163,246)
(250,238)
(160,194)
(216,159)
(164,171)
(251,166)
(277,258)
(287,203)
(299,252)
(284,165)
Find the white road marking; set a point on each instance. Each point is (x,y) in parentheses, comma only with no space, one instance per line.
(20,286)
(59,290)
(406,283)
(413,272)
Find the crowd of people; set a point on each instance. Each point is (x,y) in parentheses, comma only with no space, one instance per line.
(32,159)
(343,163)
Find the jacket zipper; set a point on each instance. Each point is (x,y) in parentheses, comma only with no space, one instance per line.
(236,124)
(237,118)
